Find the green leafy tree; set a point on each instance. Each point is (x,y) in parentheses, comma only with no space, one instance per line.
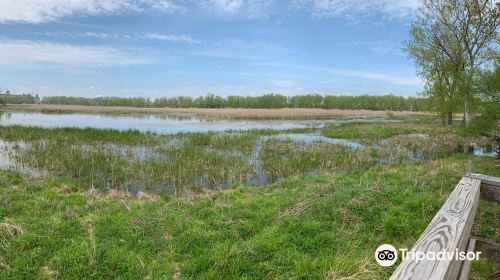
(487,123)
(450,41)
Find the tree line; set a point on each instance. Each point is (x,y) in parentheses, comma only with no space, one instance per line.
(268,101)
(17,99)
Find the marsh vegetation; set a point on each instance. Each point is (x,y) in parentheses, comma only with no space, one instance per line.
(133,161)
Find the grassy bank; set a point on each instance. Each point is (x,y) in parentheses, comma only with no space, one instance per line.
(303,228)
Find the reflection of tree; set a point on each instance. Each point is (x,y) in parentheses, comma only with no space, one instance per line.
(5,115)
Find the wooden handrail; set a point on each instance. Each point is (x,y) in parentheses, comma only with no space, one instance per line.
(490,186)
(449,230)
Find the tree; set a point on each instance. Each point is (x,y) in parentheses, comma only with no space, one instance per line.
(450,40)
(488,85)
(435,67)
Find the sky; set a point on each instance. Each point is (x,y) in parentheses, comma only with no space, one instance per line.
(169,48)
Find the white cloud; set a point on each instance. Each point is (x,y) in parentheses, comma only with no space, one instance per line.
(241,49)
(394,9)
(408,80)
(149,36)
(226,6)
(23,53)
(164,5)
(38,11)
(172,38)
(247,9)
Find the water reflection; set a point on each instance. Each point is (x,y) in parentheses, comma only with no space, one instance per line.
(162,124)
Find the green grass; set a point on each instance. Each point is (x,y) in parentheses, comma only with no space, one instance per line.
(303,228)
(487,222)
(380,131)
(78,135)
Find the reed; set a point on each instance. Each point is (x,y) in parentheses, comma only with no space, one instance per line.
(133,161)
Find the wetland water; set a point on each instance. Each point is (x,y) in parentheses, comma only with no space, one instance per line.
(162,124)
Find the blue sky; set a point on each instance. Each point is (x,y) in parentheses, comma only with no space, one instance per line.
(186,47)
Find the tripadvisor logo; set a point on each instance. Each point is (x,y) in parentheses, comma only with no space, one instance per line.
(387,255)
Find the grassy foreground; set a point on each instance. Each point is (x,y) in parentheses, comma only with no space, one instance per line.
(303,228)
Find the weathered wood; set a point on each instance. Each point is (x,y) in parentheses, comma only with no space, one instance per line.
(449,230)
(490,186)
(490,180)
(467,265)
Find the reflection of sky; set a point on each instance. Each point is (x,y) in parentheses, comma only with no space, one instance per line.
(157,123)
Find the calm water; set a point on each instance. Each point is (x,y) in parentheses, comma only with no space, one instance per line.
(163,124)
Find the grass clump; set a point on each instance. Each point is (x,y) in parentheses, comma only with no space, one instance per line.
(380,131)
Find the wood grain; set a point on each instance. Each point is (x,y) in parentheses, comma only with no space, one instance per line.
(485,179)
(490,187)
(467,265)
(449,230)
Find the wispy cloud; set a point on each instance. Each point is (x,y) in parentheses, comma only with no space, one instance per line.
(247,9)
(386,46)
(392,9)
(378,76)
(24,53)
(173,38)
(182,38)
(41,11)
(240,49)
(38,11)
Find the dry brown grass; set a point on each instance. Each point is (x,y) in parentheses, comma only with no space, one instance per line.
(8,230)
(49,272)
(114,194)
(226,112)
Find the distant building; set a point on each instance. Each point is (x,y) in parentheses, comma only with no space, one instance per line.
(20,98)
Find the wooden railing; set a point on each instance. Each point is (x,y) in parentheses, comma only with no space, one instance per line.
(450,230)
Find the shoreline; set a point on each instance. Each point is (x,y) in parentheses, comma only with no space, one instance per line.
(219,112)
